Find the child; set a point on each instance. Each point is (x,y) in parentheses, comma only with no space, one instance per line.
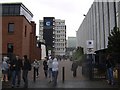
(4,69)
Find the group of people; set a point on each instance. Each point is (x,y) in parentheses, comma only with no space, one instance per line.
(15,66)
(51,66)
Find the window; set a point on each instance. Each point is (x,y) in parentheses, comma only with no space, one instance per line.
(25,31)
(10,48)
(11,27)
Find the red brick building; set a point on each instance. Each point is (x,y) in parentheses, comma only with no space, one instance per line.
(18,31)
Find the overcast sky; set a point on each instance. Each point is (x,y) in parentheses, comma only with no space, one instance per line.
(69,10)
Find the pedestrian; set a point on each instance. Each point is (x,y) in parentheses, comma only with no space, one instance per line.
(110,66)
(4,68)
(74,68)
(45,67)
(16,66)
(50,61)
(36,65)
(26,67)
(55,66)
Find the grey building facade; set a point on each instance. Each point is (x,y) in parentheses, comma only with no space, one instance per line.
(101,18)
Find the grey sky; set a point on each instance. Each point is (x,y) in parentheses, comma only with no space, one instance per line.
(69,10)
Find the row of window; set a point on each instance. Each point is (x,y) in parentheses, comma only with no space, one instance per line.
(62,49)
(11,29)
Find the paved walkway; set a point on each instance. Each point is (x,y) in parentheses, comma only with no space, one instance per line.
(70,81)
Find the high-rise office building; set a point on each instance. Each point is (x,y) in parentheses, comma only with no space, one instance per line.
(53,33)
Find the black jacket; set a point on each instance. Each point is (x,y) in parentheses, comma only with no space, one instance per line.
(26,65)
(16,64)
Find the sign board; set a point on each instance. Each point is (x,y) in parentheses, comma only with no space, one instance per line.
(90,44)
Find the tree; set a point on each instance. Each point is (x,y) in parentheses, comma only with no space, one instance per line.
(114,46)
(114,41)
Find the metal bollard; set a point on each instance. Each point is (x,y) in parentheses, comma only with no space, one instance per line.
(34,74)
(63,74)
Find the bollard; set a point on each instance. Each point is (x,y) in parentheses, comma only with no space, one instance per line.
(63,74)
(34,75)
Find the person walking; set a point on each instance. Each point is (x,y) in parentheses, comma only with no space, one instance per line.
(36,65)
(18,70)
(45,67)
(26,66)
(4,68)
(50,61)
(55,66)
(74,68)
(13,66)
(110,66)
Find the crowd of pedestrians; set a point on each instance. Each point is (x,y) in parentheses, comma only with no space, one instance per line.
(11,70)
(17,69)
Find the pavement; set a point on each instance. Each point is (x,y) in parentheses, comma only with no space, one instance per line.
(70,82)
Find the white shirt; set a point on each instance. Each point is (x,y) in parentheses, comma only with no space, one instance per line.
(49,62)
(55,65)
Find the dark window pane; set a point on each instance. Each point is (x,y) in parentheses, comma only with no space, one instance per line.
(11,9)
(17,10)
(5,10)
(11,27)
(10,48)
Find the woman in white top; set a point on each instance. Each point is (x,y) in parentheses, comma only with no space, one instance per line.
(55,66)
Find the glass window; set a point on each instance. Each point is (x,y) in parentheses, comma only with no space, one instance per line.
(11,9)
(25,31)
(17,10)
(10,48)
(11,27)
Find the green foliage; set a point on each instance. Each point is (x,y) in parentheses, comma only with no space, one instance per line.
(114,41)
(78,55)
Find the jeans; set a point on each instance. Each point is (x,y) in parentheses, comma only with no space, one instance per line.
(36,71)
(25,77)
(13,77)
(110,75)
(55,75)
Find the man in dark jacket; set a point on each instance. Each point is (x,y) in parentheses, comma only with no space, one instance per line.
(16,65)
(26,66)
(110,65)
(45,67)
(74,68)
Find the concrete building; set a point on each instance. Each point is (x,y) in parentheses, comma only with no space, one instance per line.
(18,31)
(101,18)
(53,32)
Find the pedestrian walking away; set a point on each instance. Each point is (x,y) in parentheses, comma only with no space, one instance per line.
(45,67)
(74,68)
(55,66)
(110,66)
(26,67)
(49,62)
(36,65)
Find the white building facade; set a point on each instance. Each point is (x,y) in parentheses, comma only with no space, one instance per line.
(101,18)
(59,35)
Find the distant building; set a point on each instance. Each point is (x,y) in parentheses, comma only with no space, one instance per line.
(71,42)
(18,31)
(53,32)
(71,45)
